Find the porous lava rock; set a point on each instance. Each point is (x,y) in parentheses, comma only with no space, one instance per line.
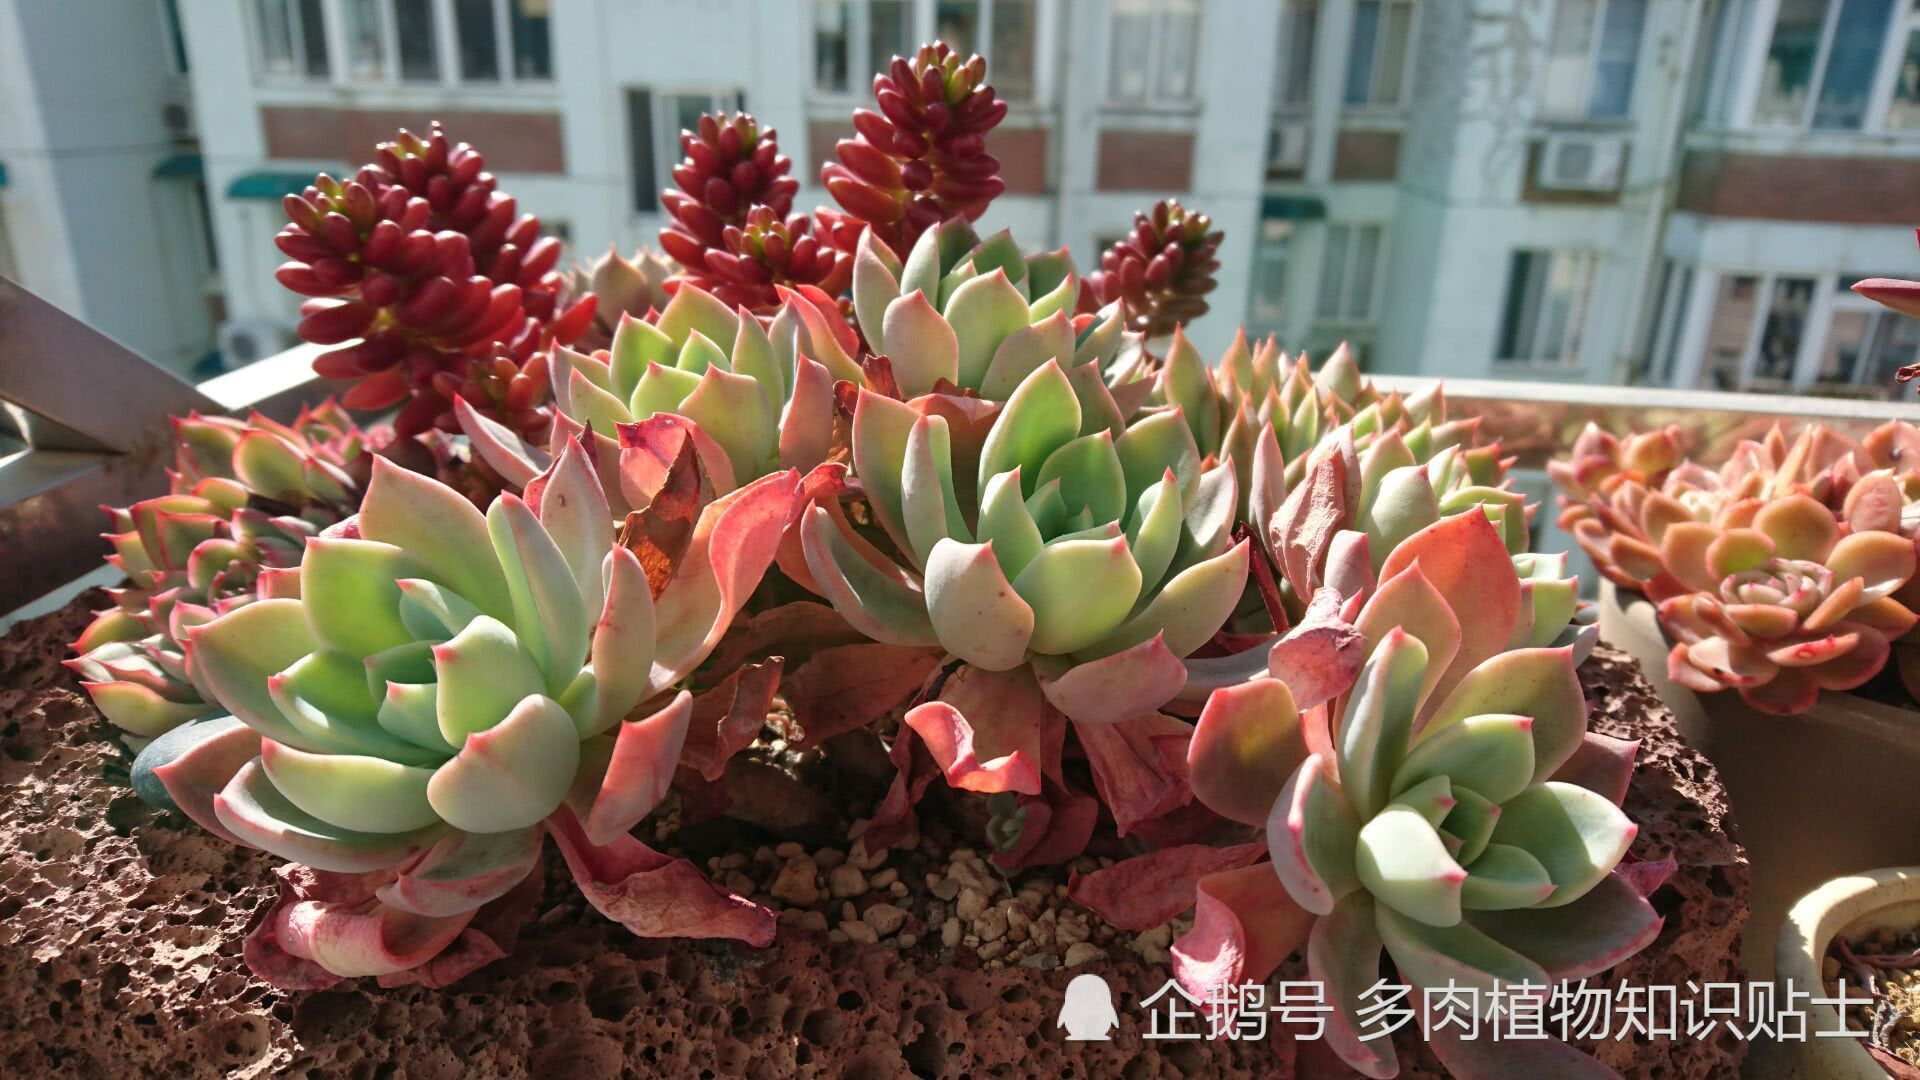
(121,927)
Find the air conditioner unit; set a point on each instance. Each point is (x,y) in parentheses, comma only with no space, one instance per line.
(243,341)
(1581,162)
(1288,150)
(177,118)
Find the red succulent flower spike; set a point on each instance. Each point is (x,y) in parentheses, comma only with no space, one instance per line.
(1163,269)
(920,160)
(732,166)
(418,268)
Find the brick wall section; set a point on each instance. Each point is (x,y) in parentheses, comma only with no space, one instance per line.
(1159,161)
(522,142)
(1843,190)
(1366,155)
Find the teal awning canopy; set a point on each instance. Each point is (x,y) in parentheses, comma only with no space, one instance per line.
(1292,208)
(180,167)
(268,185)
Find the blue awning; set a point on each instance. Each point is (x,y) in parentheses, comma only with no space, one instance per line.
(1292,208)
(180,167)
(267,184)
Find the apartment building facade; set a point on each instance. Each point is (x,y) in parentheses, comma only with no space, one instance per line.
(1661,191)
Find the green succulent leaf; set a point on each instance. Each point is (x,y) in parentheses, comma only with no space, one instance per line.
(1080,591)
(1402,861)
(511,775)
(1577,834)
(354,791)
(976,612)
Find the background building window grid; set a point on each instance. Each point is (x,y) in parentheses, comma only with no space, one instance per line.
(1153,58)
(1380,52)
(1592,55)
(1544,315)
(1349,273)
(404,41)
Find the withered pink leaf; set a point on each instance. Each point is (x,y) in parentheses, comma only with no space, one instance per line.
(845,687)
(727,718)
(1140,893)
(659,535)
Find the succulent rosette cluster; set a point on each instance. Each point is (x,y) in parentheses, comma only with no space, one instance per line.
(922,158)
(1786,571)
(450,687)
(620,286)
(1163,269)
(419,269)
(244,498)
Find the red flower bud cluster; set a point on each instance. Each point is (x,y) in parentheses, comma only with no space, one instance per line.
(1163,269)
(922,159)
(418,269)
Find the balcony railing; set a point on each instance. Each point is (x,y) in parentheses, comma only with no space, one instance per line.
(97,433)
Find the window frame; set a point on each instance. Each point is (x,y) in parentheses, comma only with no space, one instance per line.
(1745,82)
(1414,15)
(920,27)
(1275,255)
(1152,101)
(662,103)
(1590,67)
(1573,330)
(1342,315)
(446,48)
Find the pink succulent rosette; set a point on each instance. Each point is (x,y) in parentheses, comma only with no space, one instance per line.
(451,688)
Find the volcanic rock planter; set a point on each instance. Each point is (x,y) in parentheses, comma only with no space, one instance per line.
(121,932)
(1815,796)
(1844,908)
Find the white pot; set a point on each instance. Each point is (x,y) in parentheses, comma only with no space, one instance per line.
(1847,907)
(1824,794)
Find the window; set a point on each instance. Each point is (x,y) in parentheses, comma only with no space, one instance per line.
(1349,274)
(1293,88)
(290,37)
(1591,57)
(654,123)
(1756,332)
(366,40)
(1267,302)
(1377,62)
(1903,111)
(1676,285)
(1831,45)
(1155,50)
(1544,315)
(853,40)
(413,31)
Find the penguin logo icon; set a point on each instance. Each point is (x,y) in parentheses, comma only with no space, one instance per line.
(1087,1013)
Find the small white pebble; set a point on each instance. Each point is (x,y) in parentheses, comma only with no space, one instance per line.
(1082,953)
(950,933)
(845,880)
(859,931)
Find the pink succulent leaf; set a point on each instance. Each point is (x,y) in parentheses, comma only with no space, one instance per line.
(649,449)
(1244,925)
(1139,766)
(1902,296)
(1647,875)
(655,895)
(1349,569)
(802,625)
(1601,763)
(464,871)
(727,718)
(984,730)
(879,599)
(492,935)
(1488,1058)
(1311,837)
(1301,532)
(845,687)
(1318,658)
(639,769)
(1467,561)
(500,446)
(1127,684)
(1245,746)
(330,926)
(1056,825)
(198,774)
(893,824)
(1343,956)
(732,546)
(1145,891)
(1610,923)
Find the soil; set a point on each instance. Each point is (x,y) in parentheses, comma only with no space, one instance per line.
(1891,1014)
(121,927)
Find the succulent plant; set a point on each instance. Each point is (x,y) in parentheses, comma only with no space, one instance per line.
(620,286)
(922,159)
(418,269)
(244,498)
(452,686)
(1450,809)
(1162,270)
(1785,607)
(732,230)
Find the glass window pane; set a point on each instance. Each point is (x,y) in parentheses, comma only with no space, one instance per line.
(1366,33)
(1851,63)
(1179,44)
(1266,305)
(1619,56)
(1845,344)
(365,57)
(532,44)
(1333,272)
(1728,332)
(1785,326)
(313,39)
(832,41)
(413,24)
(1132,48)
(1904,110)
(276,37)
(1669,344)
(645,188)
(957,22)
(1392,67)
(479,40)
(1790,59)
(1366,252)
(889,34)
(1297,30)
(1520,309)
(1895,345)
(1014,34)
(1567,51)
